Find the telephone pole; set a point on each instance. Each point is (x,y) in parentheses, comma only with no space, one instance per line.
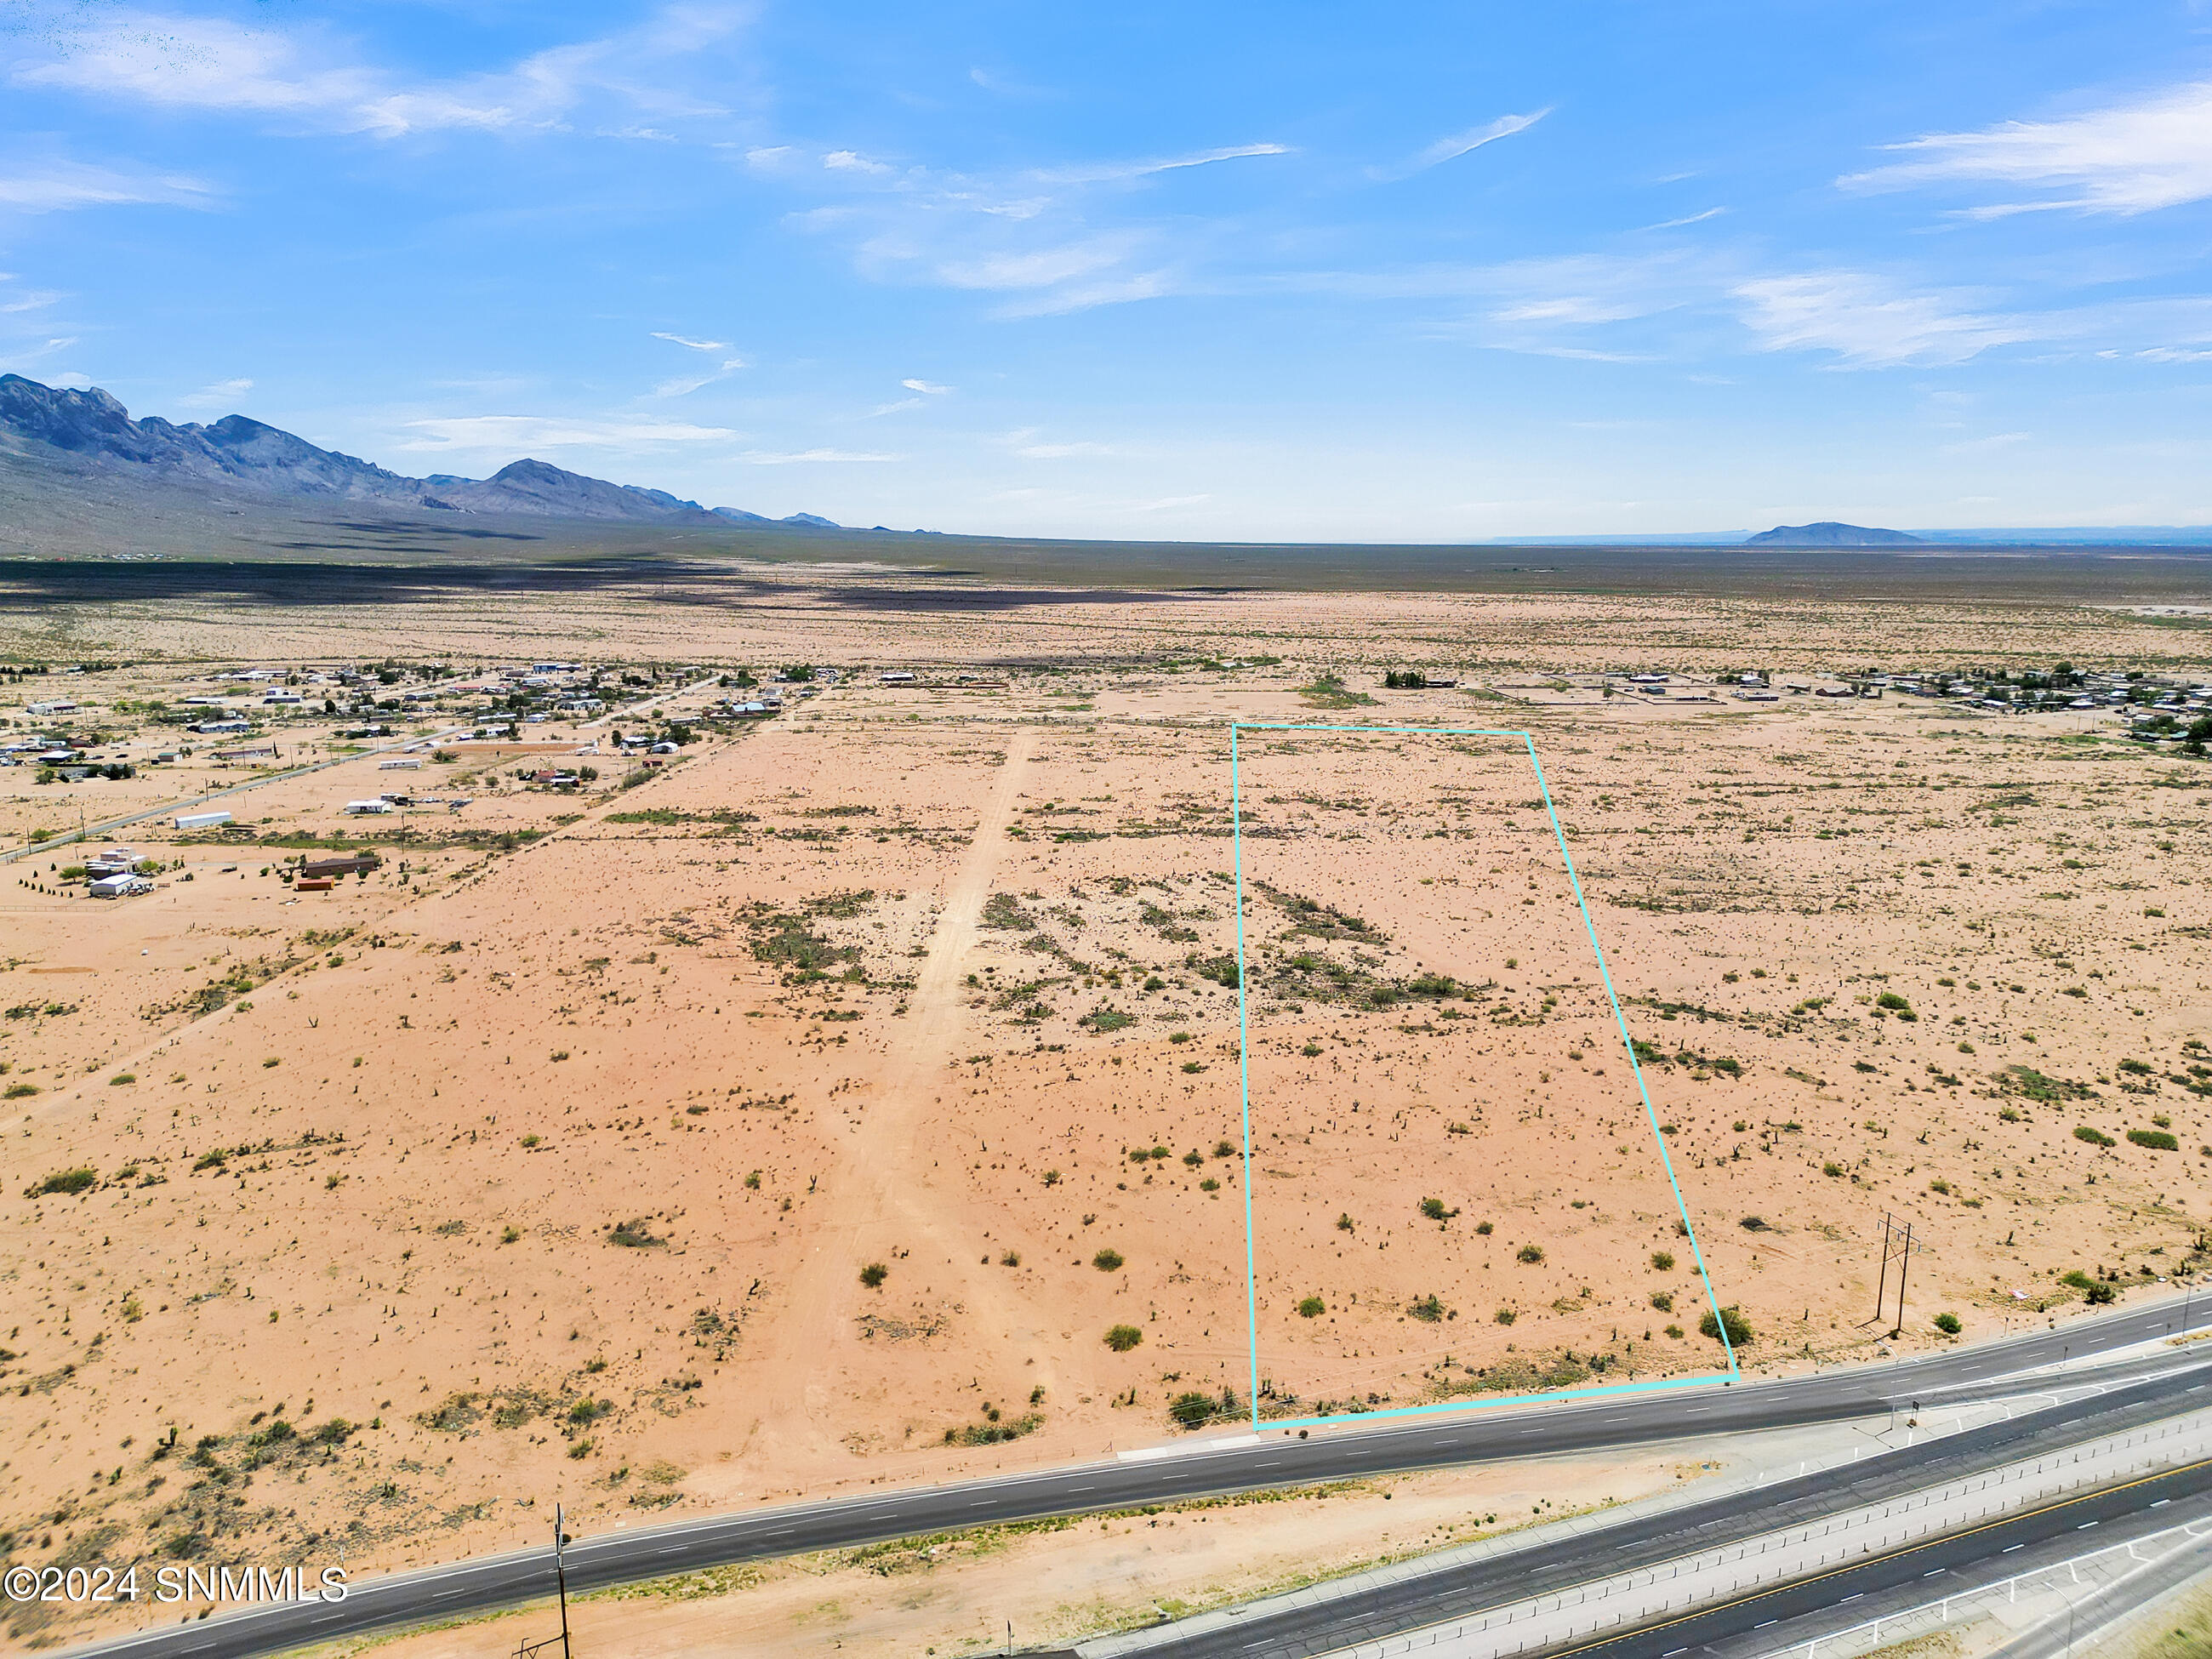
(1882,1279)
(561,1572)
(1903,1262)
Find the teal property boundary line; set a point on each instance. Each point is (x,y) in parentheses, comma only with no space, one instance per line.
(1621,1022)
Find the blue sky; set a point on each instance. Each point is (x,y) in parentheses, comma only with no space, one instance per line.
(1421,271)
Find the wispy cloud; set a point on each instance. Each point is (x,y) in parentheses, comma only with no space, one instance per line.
(788,458)
(1024,443)
(1690,219)
(57,186)
(1452,147)
(1045,237)
(924,387)
(683,385)
(896,407)
(509,433)
(1867,321)
(218,395)
(311,80)
(1102,173)
(1994,441)
(2132,158)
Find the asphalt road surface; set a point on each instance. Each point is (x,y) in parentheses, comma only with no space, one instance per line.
(1296,1631)
(1772,1621)
(1273,1459)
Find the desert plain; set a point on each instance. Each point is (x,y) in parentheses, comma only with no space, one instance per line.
(860,1095)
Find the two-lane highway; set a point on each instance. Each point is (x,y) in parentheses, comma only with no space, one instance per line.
(1271,1460)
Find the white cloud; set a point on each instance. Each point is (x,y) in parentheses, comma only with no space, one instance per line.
(1690,219)
(1118,291)
(772,458)
(1996,440)
(894,408)
(1041,234)
(926,387)
(56,186)
(218,395)
(1450,149)
(1868,322)
(510,433)
(30,354)
(1113,172)
(312,81)
(684,385)
(1036,452)
(30,300)
(1039,267)
(2130,159)
(695,345)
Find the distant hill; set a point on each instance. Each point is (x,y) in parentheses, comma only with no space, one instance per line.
(1829,533)
(91,437)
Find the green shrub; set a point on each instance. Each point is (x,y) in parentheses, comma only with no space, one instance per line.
(1192,1411)
(2098,1295)
(69,1182)
(1948,1324)
(873,1275)
(2095,1137)
(1107,1261)
(633,1234)
(1505,1315)
(1122,1338)
(2157,1140)
(1428,1309)
(1312,1308)
(1664,1301)
(1663,1260)
(1434,1209)
(1731,1320)
(1530,1254)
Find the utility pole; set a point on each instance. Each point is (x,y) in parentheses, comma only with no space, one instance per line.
(1882,1279)
(561,1572)
(1903,1262)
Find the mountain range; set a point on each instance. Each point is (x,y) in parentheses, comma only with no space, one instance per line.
(91,430)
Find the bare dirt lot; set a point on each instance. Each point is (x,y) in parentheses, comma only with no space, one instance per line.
(854,1095)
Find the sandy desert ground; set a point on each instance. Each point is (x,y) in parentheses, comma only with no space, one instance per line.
(546,1166)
